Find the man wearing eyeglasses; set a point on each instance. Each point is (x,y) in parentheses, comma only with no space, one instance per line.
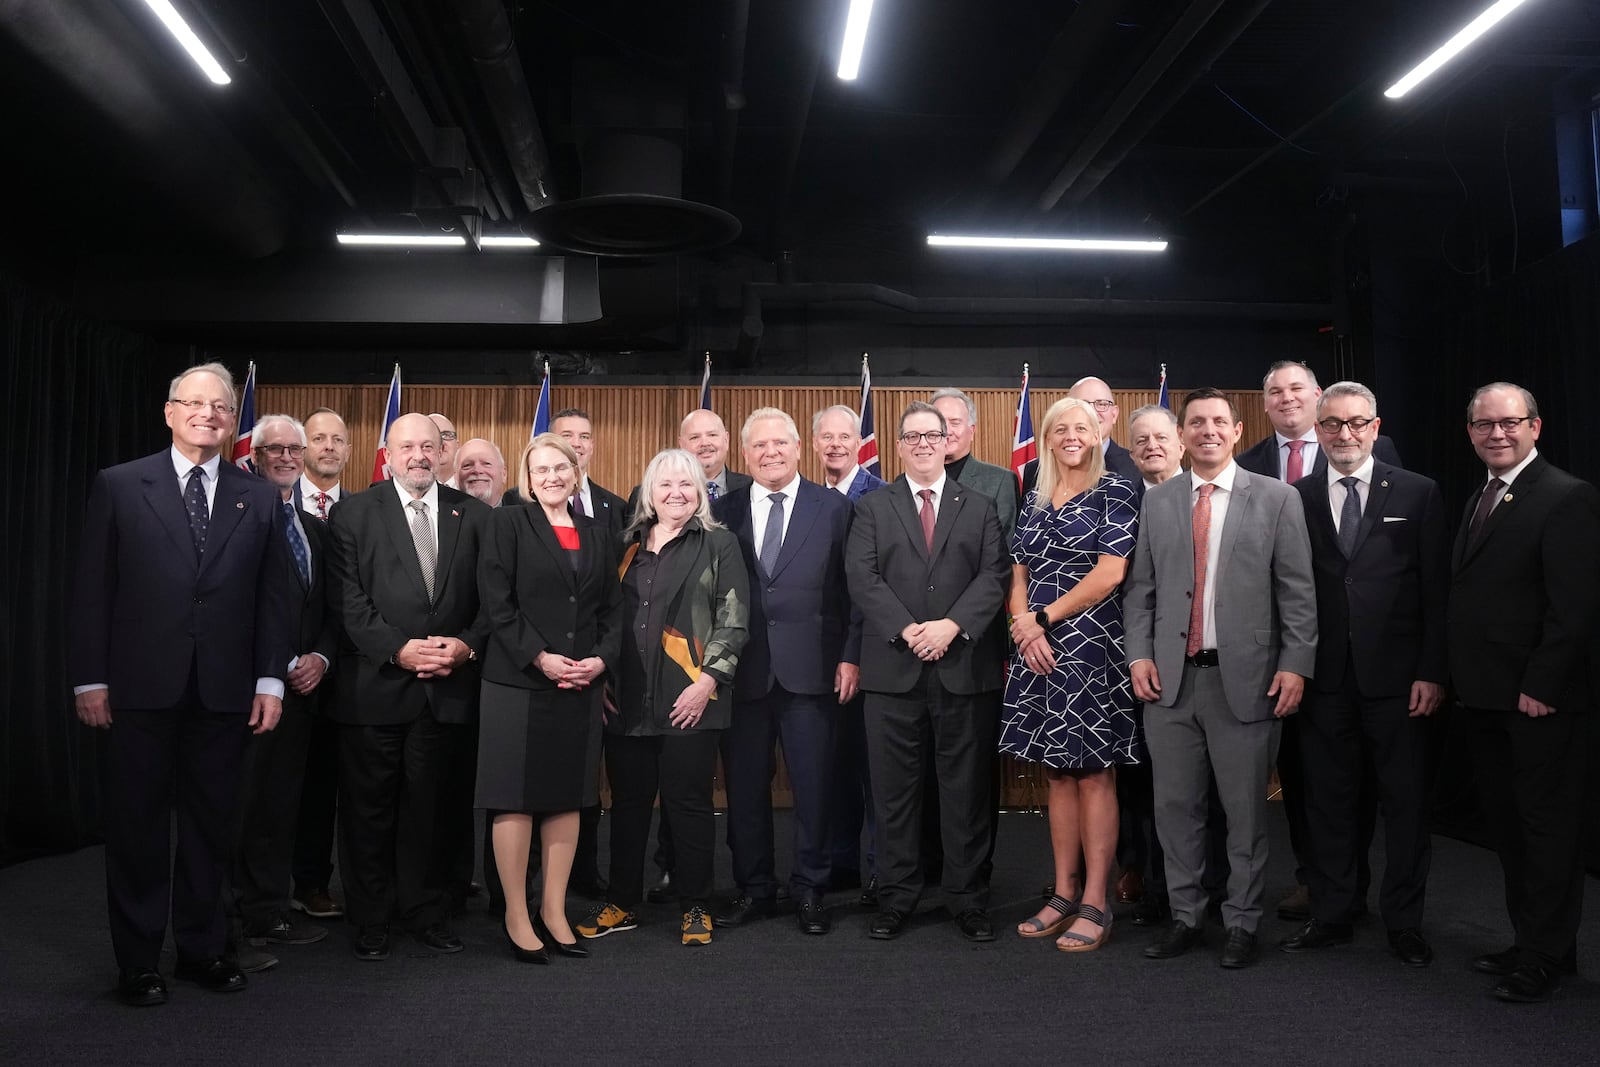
(1522,615)
(1379,555)
(276,762)
(927,569)
(449,442)
(180,642)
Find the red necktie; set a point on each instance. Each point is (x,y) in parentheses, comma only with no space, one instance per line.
(322,506)
(1201,522)
(1297,468)
(925,513)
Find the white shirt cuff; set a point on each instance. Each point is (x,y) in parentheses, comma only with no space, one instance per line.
(269,687)
(79,690)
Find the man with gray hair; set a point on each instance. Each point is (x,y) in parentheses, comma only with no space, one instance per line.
(836,439)
(481,469)
(1156,445)
(996,483)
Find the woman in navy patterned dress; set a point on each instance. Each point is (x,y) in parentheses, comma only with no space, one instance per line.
(1068,702)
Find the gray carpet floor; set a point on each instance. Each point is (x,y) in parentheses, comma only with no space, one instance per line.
(767,994)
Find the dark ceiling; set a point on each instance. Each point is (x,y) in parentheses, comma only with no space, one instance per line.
(1220,123)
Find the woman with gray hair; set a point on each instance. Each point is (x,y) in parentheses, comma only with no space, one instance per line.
(685,613)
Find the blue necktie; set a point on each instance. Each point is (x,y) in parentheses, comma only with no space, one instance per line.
(302,558)
(711,490)
(1349,516)
(194,502)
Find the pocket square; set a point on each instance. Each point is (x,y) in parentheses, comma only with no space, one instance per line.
(1394,518)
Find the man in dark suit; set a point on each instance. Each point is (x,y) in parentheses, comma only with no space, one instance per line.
(1379,550)
(1096,392)
(928,571)
(179,638)
(1290,393)
(796,670)
(405,579)
(276,762)
(836,439)
(1522,615)
(574,426)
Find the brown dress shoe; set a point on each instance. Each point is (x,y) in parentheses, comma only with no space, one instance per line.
(1130,888)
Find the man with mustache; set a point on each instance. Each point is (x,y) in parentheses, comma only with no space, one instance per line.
(481,468)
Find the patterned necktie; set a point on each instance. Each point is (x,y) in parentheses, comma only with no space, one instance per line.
(1486,502)
(297,547)
(925,513)
(1200,520)
(194,502)
(322,506)
(712,490)
(772,539)
(1349,516)
(422,534)
(1297,468)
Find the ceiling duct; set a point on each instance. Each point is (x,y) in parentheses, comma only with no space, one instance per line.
(630,131)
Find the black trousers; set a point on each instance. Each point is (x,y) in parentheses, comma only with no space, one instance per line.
(456,829)
(1291,780)
(907,734)
(850,809)
(160,760)
(268,813)
(388,808)
(680,767)
(805,725)
(319,801)
(1341,736)
(1530,781)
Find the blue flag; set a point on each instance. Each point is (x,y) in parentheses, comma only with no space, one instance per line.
(541,414)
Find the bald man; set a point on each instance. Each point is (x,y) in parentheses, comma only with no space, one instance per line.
(1095,392)
(444,471)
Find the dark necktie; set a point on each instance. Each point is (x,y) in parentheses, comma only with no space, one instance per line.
(577,504)
(927,516)
(711,490)
(1486,502)
(297,547)
(772,539)
(194,502)
(1297,463)
(322,506)
(1349,516)
(1200,523)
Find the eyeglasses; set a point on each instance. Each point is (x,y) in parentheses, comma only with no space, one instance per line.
(275,451)
(1102,405)
(447,435)
(1332,426)
(932,437)
(542,472)
(217,407)
(1484,427)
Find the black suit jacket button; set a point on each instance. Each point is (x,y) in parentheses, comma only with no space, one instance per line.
(1349,581)
(772,622)
(569,635)
(930,588)
(572,600)
(197,600)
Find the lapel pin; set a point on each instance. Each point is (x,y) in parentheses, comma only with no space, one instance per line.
(1384,483)
(240,505)
(454,514)
(1506,499)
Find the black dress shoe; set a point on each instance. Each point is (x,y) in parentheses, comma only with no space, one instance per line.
(216,975)
(591,886)
(141,988)
(869,893)
(1151,911)
(1410,947)
(661,892)
(372,943)
(540,955)
(813,916)
(438,938)
(1179,938)
(1239,950)
(1498,964)
(974,925)
(887,925)
(742,909)
(1317,934)
(571,949)
(1528,984)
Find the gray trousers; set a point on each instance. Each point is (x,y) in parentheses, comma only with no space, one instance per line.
(1189,742)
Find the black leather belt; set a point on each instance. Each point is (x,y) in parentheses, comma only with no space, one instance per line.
(1206,657)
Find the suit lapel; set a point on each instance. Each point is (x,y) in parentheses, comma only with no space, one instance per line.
(1237,506)
(227,510)
(1320,517)
(396,519)
(905,506)
(800,522)
(546,536)
(449,537)
(1527,482)
(955,496)
(166,500)
(1372,514)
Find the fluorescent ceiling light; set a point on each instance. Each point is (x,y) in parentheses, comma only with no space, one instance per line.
(402,240)
(855,39)
(1451,48)
(1066,244)
(507,241)
(180,29)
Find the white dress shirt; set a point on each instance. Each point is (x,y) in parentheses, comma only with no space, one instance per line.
(431,498)
(1219,516)
(761,507)
(309,491)
(1308,455)
(937,485)
(842,486)
(1336,492)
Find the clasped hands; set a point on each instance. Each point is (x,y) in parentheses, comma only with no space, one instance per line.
(1033,643)
(569,673)
(929,640)
(432,656)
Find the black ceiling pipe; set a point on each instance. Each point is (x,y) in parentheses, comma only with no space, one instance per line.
(730,88)
(493,47)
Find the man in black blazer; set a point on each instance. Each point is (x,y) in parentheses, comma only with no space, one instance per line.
(1118,459)
(1522,615)
(275,765)
(1378,550)
(179,639)
(928,572)
(405,580)
(794,672)
(1290,393)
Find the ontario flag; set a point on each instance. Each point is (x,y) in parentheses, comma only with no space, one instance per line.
(1161,396)
(705,386)
(541,411)
(1023,447)
(391,411)
(867,451)
(242,443)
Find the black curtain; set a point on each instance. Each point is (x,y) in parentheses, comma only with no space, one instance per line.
(80,395)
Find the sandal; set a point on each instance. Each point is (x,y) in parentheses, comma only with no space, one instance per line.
(1032,927)
(1071,942)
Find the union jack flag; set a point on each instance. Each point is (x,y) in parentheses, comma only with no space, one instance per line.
(867,451)
(1023,447)
(1162,397)
(242,443)
(380,462)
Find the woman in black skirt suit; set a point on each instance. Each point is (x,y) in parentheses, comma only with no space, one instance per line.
(548,583)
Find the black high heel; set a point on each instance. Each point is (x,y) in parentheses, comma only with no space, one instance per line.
(573,949)
(526,955)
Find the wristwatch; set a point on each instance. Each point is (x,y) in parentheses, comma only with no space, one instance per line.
(1042,617)
(472,653)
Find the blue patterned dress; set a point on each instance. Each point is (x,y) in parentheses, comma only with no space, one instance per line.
(1079,716)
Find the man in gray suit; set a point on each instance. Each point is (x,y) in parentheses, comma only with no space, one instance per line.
(996,483)
(1217,670)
